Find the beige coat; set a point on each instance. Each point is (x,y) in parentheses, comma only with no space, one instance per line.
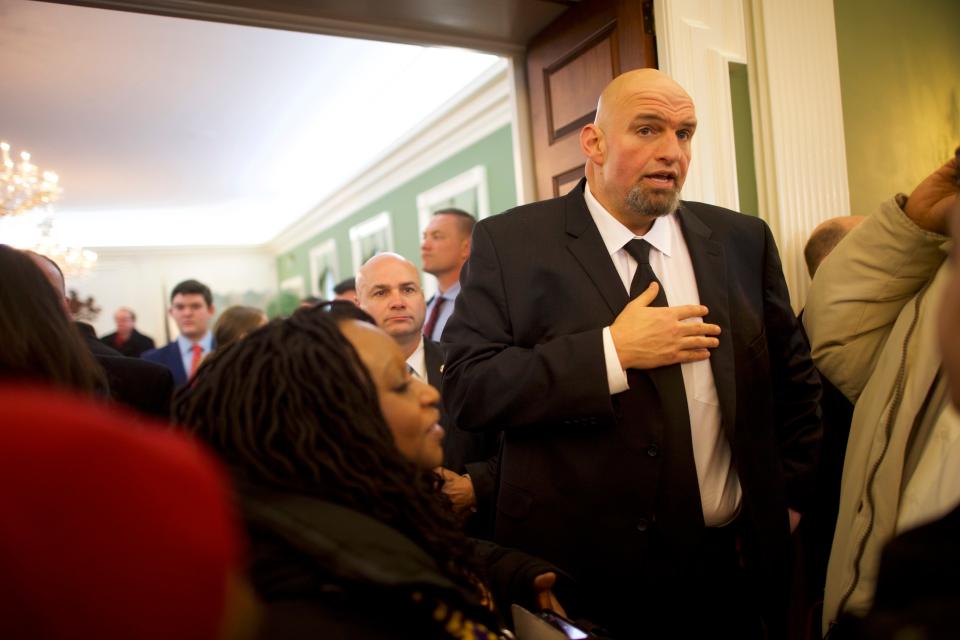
(871,318)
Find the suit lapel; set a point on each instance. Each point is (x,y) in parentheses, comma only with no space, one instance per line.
(587,247)
(433,360)
(176,363)
(710,269)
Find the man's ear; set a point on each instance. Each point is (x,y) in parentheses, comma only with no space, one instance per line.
(592,143)
(170,311)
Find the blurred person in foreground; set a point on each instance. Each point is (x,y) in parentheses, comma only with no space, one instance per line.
(39,342)
(111,531)
(871,315)
(144,386)
(331,442)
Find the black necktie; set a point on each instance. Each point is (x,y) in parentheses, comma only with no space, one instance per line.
(640,250)
(679,495)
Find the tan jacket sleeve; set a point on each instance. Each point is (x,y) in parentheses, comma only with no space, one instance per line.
(861,288)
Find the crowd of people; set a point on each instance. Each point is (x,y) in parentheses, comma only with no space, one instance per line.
(622,427)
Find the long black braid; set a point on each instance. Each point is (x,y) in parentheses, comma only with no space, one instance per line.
(293,407)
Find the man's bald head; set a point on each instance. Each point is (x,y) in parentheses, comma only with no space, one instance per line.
(377,262)
(638,148)
(617,93)
(388,288)
(825,237)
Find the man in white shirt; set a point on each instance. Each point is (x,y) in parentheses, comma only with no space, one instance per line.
(656,394)
(388,288)
(445,249)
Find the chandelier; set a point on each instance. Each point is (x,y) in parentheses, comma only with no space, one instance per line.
(23,186)
(73,261)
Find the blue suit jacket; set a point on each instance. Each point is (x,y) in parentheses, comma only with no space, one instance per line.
(169,356)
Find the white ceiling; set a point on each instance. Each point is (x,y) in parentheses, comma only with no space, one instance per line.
(167,131)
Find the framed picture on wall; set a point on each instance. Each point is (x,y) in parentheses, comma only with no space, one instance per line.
(467,191)
(324,269)
(370,237)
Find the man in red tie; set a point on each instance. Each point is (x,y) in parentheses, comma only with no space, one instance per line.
(191,307)
(445,249)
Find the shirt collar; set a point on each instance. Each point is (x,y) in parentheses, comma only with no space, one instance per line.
(417,361)
(615,235)
(186,345)
(450,293)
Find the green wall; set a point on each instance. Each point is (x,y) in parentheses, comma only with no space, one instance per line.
(900,86)
(495,152)
(743,140)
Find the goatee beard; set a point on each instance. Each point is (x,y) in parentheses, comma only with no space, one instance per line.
(653,203)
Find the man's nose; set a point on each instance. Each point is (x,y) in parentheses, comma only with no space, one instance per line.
(668,147)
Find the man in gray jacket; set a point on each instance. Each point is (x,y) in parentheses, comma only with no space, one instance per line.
(871,317)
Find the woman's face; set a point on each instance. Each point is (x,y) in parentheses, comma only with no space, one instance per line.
(409,405)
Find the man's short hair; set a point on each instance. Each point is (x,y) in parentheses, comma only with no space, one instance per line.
(825,238)
(193,286)
(133,316)
(465,221)
(350,284)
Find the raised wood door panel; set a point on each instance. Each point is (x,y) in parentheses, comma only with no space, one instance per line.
(568,65)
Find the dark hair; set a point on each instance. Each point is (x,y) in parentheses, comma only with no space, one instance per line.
(235,323)
(193,286)
(465,221)
(39,341)
(53,263)
(292,406)
(350,284)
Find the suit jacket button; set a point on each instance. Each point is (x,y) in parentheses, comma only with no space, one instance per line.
(642,525)
(653,451)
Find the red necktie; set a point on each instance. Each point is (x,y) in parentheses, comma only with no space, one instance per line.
(197,357)
(432,320)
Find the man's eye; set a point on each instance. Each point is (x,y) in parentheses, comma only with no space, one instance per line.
(645,131)
(684,134)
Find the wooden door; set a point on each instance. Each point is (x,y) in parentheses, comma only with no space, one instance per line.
(568,65)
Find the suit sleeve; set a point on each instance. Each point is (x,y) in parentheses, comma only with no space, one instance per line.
(490,381)
(796,384)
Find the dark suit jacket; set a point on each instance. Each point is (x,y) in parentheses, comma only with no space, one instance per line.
(133,347)
(169,356)
(580,470)
(145,386)
(467,452)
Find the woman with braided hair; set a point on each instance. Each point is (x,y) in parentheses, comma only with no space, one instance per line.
(332,462)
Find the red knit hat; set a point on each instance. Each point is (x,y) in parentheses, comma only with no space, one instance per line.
(110,527)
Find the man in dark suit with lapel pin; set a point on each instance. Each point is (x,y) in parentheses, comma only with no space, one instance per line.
(191,307)
(388,288)
(657,397)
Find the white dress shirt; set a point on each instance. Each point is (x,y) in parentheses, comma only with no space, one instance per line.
(418,362)
(720,491)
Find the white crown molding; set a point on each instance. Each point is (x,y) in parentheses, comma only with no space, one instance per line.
(477,112)
(798,124)
(155,251)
